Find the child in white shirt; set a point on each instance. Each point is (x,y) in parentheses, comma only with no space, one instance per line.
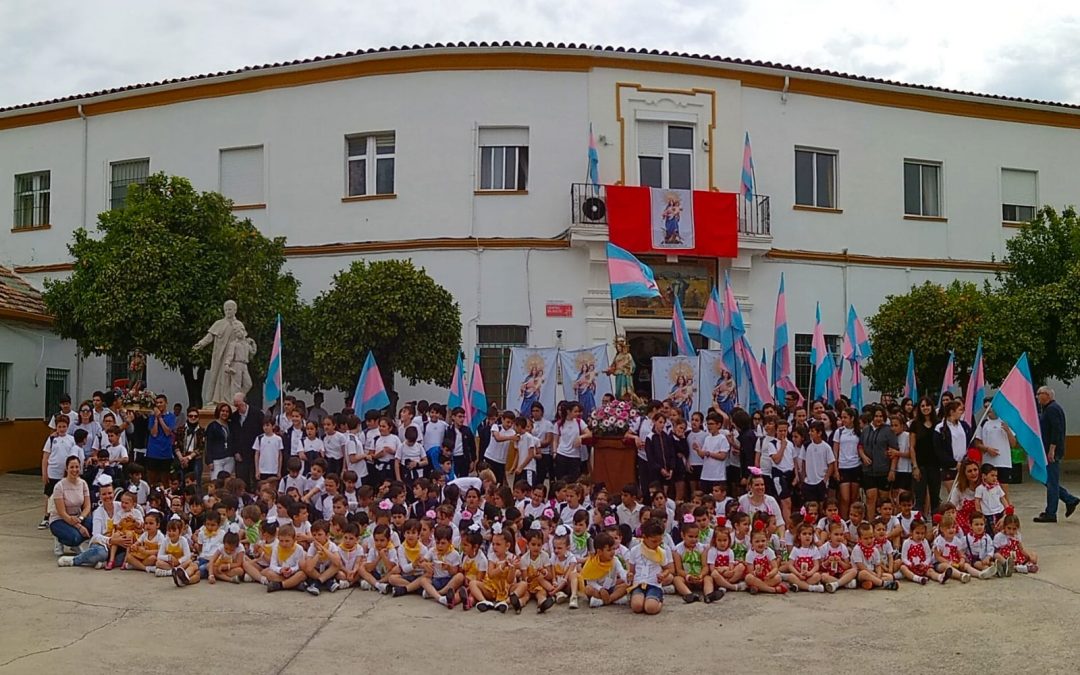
(268,447)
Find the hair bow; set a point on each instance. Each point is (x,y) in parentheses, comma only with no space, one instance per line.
(562,530)
(431,514)
(937,518)
(475,527)
(609,521)
(755,471)
(807,517)
(759,526)
(536,525)
(549,513)
(386,505)
(688,518)
(1009,510)
(802,511)
(496,527)
(835,518)
(174,516)
(916,517)
(466,515)
(721,521)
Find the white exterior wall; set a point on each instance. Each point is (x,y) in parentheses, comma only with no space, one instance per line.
(435,116)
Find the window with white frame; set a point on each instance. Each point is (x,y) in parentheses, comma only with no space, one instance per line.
(803,368)
(32,198)
(504,158)
(665,154)
(815,178)
(121,175)
(922,188)
(242,175)
(5,389)
(370,164)
(1019,195)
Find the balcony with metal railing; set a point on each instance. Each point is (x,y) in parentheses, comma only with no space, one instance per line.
(588,211)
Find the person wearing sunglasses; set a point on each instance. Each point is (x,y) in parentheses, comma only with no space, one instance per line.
(190,446)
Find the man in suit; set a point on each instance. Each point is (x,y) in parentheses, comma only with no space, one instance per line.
(459,445)
(1052,426)
(245,425)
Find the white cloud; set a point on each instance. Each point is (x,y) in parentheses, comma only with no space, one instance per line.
(61,48)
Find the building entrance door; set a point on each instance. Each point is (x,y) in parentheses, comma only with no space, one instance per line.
(644,345)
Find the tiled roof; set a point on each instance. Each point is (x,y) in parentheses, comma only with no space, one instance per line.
(17,297)
(510,46)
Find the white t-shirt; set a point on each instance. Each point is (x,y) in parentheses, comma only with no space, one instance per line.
(803,559)
(334,445)
(268,447)
(391,555)
(857,557)
(313,445)
(713,469)
(990,499)
(386,448)
(924,557)
(287,481)
(765,448)
(768,506)
(645,430)
(180,548)
(116,453)
(816,459)
(1001,540)
(526,443)
(410,453)
(355,446)
(763,559)
(296,441)
(570,439)
(787,462)
(981,548)
(541,428)
(993,435)
(696,438)
(950,549)
(718,558)
(959,439)
(648,571)
(848,441)
(73,419)
(903,441)
(59,448)
(281,559)
(416,422)
(433,434)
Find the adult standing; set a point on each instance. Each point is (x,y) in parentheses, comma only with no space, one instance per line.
(245,425)
(1052,426)
(69,508)
(190,446)
(159,444)
(953,439)
(878,470)
(927,470)
(66,411)
(995,439)
(218,450)
(316,413)
(93,429)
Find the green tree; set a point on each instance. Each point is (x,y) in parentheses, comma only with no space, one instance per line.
(1043,268)
(410,323)
(156,273)
(933,319)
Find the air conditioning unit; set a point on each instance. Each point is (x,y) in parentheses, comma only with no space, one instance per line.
(593,210)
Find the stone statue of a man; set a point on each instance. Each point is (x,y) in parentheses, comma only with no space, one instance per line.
(218,382)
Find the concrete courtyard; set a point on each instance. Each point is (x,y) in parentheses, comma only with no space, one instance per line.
(78,620)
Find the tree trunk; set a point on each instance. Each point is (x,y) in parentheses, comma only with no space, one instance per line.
(193,380)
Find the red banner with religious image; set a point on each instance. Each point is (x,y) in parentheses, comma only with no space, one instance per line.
(673,222)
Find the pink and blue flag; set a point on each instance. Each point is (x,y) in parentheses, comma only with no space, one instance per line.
(948,382)
(747,188)
(820,359)
(781,359)
(457,385)
(628,276)
(856,344)
(272,388)
(370,391)
(1014,403)
(476,403)
(856,385)
(911,385)
(760,392)
(594,160)
(680,334)
(732,328)
(976,388)
(711,320)
(834,393)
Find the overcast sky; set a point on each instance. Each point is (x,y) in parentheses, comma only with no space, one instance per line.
(55,48)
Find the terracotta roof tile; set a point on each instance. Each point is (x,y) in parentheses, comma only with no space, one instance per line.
(17,295)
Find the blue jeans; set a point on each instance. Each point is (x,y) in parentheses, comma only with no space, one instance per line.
(69,535)
(1055,490)
(96,554)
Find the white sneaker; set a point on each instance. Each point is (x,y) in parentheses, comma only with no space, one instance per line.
(65,561)
(595,602)
(964,577)
(573,602)
(561,597)
(624,600)
(424,594)
(741,586)
(58,548)
(987,573)
(817,588)
(442,600)
(1022,569)
(163,573)
(669,590)
(100,566)
(151,570)
(851,584)
(364,586)
(333,586)
(898,576)
(383,587)
(832,586)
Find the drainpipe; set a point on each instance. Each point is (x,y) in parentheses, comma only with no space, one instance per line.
(82,223)
(845,272)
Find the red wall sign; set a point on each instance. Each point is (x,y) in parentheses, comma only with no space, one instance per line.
(560,309)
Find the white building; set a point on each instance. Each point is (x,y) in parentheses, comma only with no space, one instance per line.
(463,158)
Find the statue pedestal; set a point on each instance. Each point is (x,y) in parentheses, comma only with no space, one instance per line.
(206,416)
(613,464)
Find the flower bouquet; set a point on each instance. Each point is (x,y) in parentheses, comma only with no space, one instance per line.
(613,420)
(137,400)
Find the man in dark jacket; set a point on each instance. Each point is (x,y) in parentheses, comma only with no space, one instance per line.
(245,425)
(1052,426)
(459,445)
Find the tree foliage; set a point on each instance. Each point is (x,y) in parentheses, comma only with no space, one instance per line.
(932,319)
(156,273)
(411,323)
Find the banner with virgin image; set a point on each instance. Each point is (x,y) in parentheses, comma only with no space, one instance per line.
(675,378)
(530,379)
(717,384)
(583,376)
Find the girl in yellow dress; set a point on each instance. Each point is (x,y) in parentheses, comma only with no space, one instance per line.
(535,568)
(494,591)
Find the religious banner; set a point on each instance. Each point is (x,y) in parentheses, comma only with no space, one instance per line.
(670,221)
(718,385)
(583,376)
(530,379)
(675,378)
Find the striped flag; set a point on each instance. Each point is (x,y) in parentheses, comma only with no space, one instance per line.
(457,385)
(732,328)
(911,385)
(272,389)
(1014,403)
(948,383)
(594,160)
(759,390)
(747,170)
(781,360)
(976,388)
(680,334)
(628,276)
(370,393)
(856,385)
(476,403)
(856,344)
(821,359)
(833,391)
(711,320)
